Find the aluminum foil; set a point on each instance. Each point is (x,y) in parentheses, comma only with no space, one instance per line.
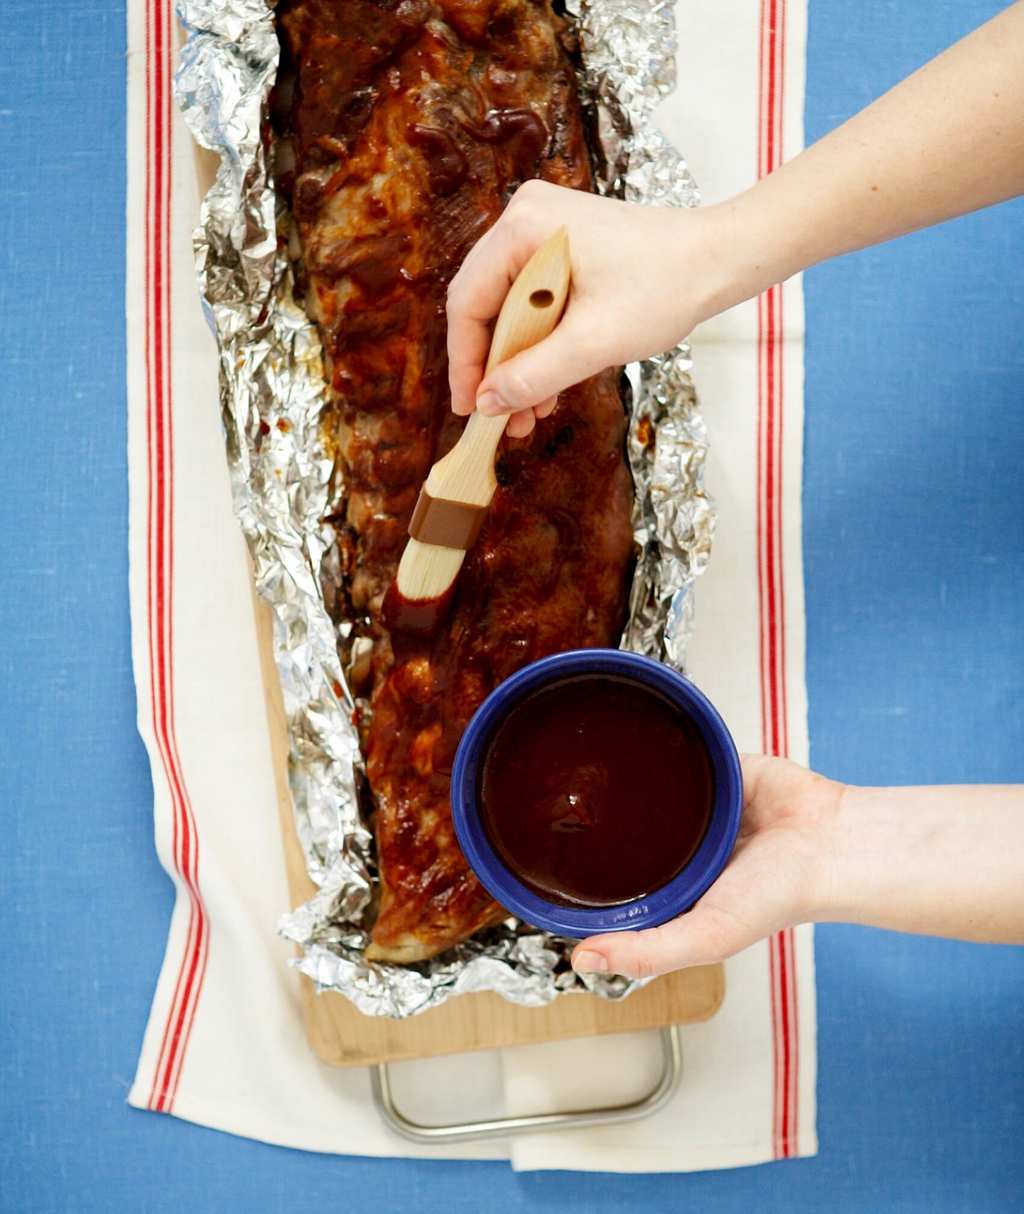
(272,393)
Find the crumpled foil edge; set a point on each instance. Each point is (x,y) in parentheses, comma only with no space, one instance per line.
(272,394)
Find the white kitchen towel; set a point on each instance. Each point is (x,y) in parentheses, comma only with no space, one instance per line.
(224,1045)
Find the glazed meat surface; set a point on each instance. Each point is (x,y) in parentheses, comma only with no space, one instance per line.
(404,128)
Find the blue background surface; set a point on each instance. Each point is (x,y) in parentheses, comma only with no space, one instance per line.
(914,543)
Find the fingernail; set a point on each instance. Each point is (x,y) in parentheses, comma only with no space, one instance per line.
(490,402)
(589,963)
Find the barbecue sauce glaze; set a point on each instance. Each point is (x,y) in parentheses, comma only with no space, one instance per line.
(596,790)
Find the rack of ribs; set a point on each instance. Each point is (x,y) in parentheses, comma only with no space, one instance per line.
(402,130)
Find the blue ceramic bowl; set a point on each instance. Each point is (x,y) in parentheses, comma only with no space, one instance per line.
(671,899)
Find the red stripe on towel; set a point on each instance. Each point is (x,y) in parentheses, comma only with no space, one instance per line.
(771,589)
(160,549)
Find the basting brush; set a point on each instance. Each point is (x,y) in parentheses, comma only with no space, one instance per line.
(454,499)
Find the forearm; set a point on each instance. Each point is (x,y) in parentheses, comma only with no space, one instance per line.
(947,140)
(944,861)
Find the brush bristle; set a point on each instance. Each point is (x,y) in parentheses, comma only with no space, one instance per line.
(426,571)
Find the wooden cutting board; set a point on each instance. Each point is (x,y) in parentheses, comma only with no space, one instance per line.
(342,1036)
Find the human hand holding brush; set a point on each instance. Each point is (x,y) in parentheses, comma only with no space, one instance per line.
(947,140)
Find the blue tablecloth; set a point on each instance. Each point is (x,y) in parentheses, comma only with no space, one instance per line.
(914,548)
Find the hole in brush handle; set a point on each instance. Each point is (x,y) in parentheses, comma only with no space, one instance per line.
(542,298)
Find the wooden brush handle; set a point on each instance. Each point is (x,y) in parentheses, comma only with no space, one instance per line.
(531,310)
(534,303)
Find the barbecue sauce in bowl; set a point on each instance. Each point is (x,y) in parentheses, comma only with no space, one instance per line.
(596,790)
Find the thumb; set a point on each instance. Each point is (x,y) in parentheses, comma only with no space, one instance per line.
(534,375)
(700,937)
